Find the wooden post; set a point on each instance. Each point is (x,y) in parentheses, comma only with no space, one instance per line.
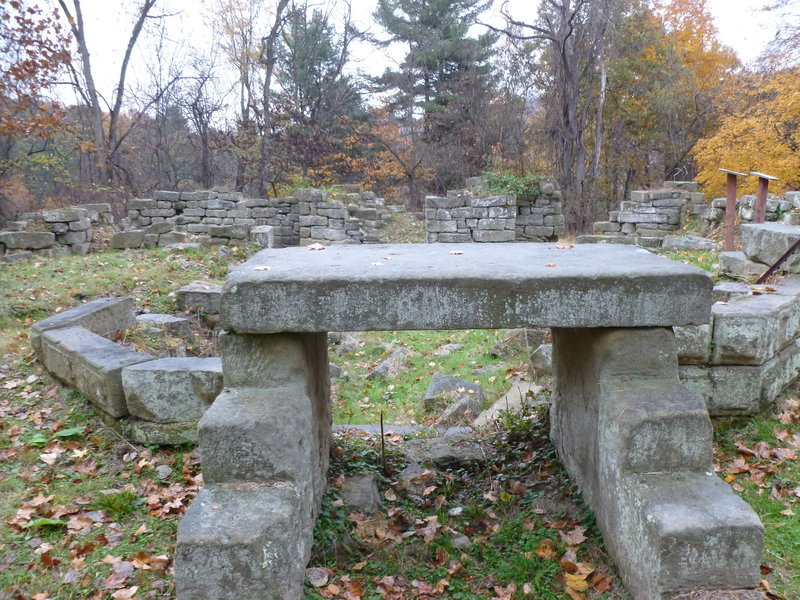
(730,209)
(761,197)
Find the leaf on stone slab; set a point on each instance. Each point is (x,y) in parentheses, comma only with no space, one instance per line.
(564,246)
(456,252)
(316,246)
(550,265)
(262,268)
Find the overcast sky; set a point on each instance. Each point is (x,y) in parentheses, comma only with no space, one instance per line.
(741,25)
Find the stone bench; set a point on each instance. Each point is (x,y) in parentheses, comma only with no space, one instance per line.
(637,442)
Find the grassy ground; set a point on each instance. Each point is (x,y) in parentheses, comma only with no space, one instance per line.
(87,515)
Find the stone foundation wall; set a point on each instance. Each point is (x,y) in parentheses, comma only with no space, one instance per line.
(750,350)
(53,232)
(649,215)
(346,214)
(784,209)
(472,215)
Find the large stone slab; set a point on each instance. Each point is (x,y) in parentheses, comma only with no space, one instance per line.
(461,286)
(172,390)
(105,316)
(91,365)
(27,240)
(737,265)
(242,542)
(767,242)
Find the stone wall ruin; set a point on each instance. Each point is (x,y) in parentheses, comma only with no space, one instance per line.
(473,215)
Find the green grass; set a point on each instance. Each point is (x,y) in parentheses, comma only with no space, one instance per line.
(360,399)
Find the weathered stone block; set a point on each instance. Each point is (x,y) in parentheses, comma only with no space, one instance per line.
(693,343)
(90,364)
(243,541)
(263,235)
(631,217)
(327,233)
(158,228)
(64,215)
(107,317)
(736,264)
(172,390)
(751,330)
(202,295)
(27,240)
(487,201)
(480,235)
(141,204)
(767,242)
(260,435)
(177,326)
(127,239)
(173,237)
(71,237)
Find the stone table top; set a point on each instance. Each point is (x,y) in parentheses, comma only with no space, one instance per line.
(378,287)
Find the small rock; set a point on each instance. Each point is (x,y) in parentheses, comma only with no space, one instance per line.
(390,366)
(223,251)
(485,370)
(542,361)
(520,394)
(317,576)
(348,344)
(446,453)
(447,349)
(461,542)
(451,387)
(361,492)
(461,412)
(163,472)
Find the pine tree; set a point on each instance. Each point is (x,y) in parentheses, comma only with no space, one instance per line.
(442,88)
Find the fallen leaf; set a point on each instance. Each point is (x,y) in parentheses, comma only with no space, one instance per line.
(550,265)
(564,246)
(316,247)
(546,550)
(456,252)
(126,594)
(262,268)
(574,537)
(788,512)
(49,458)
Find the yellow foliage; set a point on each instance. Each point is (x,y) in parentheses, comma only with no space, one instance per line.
(763,136)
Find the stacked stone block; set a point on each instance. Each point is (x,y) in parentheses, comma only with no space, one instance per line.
(53,232)
(649,215)
(149,401)
(750,350)
(347,215)
(471,215)
(784,209)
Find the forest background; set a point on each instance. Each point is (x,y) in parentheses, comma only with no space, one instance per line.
(602,96)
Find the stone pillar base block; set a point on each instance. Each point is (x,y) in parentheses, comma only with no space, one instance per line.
(702,534)
(242,541)
(258,435)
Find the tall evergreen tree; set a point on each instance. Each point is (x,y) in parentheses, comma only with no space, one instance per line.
(316,97)
(442,88)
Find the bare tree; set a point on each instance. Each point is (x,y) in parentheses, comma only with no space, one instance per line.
(253,56)
(574,34)
(107,134)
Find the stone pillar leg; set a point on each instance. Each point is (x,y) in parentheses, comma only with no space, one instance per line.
(264,447)
(639,445)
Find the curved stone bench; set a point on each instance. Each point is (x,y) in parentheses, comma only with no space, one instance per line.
(637,442)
